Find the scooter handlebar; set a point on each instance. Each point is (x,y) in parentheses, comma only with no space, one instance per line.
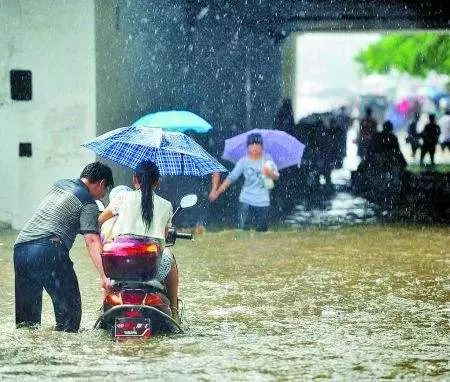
(182,235)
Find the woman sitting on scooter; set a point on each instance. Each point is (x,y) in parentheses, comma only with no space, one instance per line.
(143,213)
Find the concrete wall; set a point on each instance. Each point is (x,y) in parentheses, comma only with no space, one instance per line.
(140,66)
(289,67)
(55,40)
(235,73)
(169,56)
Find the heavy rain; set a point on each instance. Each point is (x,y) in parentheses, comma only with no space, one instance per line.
(312,140)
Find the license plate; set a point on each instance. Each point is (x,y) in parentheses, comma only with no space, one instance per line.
(132,327)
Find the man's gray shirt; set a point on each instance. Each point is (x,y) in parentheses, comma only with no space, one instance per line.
(67,209)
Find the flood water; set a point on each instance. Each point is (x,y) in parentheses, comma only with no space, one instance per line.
(342,208)
(358,303)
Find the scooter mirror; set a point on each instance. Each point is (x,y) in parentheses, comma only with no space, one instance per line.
(188,201)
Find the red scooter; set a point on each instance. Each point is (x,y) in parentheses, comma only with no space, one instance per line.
(137,305)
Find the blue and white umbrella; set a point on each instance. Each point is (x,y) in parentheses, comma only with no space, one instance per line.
(174,153)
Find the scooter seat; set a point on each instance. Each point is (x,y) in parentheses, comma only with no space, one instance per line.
(155,284)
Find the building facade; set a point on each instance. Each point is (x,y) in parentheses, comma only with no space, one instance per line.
(48,62)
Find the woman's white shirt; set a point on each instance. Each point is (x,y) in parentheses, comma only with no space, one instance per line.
(129,219)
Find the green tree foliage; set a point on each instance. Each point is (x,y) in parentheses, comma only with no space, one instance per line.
(413,53)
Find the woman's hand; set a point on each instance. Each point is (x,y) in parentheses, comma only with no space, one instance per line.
(215,181)
(267,171)
(105,215)
(106,283)
(213,195)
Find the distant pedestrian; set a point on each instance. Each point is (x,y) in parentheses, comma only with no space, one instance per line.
(284,118)
(444,124)
(338,129)
(367,129)
(413,137)
(259,172)
(430,137)
(343,119)
(384,152)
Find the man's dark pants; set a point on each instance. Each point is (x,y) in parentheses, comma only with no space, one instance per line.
(253,216)
(45,264)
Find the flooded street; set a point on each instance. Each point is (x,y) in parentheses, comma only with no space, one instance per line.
(328,120)
(362,302)
(341,208)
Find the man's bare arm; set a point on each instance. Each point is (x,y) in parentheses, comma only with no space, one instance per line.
(94,247)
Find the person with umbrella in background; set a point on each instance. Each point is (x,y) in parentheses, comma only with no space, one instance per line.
(259,171)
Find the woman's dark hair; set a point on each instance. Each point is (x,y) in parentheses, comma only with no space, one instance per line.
(97,171)
(147,174)
(254,138)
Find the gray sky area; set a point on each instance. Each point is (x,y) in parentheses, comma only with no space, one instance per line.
(327,75)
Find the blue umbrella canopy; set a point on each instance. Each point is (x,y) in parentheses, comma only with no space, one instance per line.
(175,120)
(173,152)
